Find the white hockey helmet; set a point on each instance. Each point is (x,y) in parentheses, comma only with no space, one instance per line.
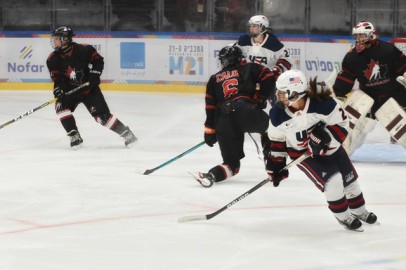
(367,29)
(262,22)
(291,86)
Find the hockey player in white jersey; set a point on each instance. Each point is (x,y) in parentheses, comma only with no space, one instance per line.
(263,47)
(306,120)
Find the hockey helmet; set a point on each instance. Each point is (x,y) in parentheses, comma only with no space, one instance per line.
(262,22)
(230,55)
(291,86)
(65,35)
(364,28)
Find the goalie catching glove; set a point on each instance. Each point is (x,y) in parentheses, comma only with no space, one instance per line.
(274,167)
(319,142)
(402,79)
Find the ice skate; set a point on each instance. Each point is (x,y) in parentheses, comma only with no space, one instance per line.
(128,136)
(204,179)
(75,139)
(367,217)
(352,223)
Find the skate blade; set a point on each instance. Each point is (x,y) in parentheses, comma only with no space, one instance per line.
(205,184)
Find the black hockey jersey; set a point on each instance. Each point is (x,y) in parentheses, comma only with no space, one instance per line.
(70,70)
(375,69)
(232,83)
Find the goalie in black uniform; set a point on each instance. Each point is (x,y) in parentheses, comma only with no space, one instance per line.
(71,65)
(380,69)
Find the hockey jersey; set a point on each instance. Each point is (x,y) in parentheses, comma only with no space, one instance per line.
(289,130)
(70,70)
(233,83)
(375,69)
(269,53)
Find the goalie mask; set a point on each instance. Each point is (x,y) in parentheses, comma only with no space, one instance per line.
(290,87)
(230,55)
(61,38)
(364,33)
(261,21)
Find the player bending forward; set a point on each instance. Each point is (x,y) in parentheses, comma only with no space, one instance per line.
(234,107)
(71,65)
(311,121)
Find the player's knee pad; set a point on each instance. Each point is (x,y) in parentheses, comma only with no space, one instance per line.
(352,190)
(334,188)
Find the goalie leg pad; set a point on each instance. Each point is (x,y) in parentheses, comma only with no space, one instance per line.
(393,118)
(356,136)
(357,106)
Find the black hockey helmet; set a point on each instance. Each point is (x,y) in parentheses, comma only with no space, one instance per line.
(63,31)
(65,34)
(230,55)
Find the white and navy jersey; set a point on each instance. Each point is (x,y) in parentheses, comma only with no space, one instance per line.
(289,131)
(271,52)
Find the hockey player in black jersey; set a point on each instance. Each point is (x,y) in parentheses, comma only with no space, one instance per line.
(376,64)
(234,107)
(71,65)
(380,68)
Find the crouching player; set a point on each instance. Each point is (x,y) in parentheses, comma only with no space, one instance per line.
(307,120)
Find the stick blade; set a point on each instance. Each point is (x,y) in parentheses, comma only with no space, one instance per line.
(191,218)
(148,172)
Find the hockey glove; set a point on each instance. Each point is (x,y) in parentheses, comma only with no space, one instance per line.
(59,93)
(274,167)
(94,78)
(210,137)
(319,142)
(276,71)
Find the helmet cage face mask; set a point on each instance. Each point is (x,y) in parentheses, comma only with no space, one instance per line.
(262,22)
(364,33)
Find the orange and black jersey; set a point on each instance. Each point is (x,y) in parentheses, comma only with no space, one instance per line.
(376,70)
(232,83)
(71,69)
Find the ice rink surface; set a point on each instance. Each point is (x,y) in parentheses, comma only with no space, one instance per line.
(90,209)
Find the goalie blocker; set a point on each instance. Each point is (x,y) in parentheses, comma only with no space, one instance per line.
(393,118)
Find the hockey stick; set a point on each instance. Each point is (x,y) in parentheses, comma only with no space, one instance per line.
(212,215)
(256,145)
(149,171)
(42,106)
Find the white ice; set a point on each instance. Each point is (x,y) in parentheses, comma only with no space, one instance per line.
(90,209)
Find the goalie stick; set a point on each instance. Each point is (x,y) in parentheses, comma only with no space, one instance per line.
(212,215)
(149,171)
(42,106)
